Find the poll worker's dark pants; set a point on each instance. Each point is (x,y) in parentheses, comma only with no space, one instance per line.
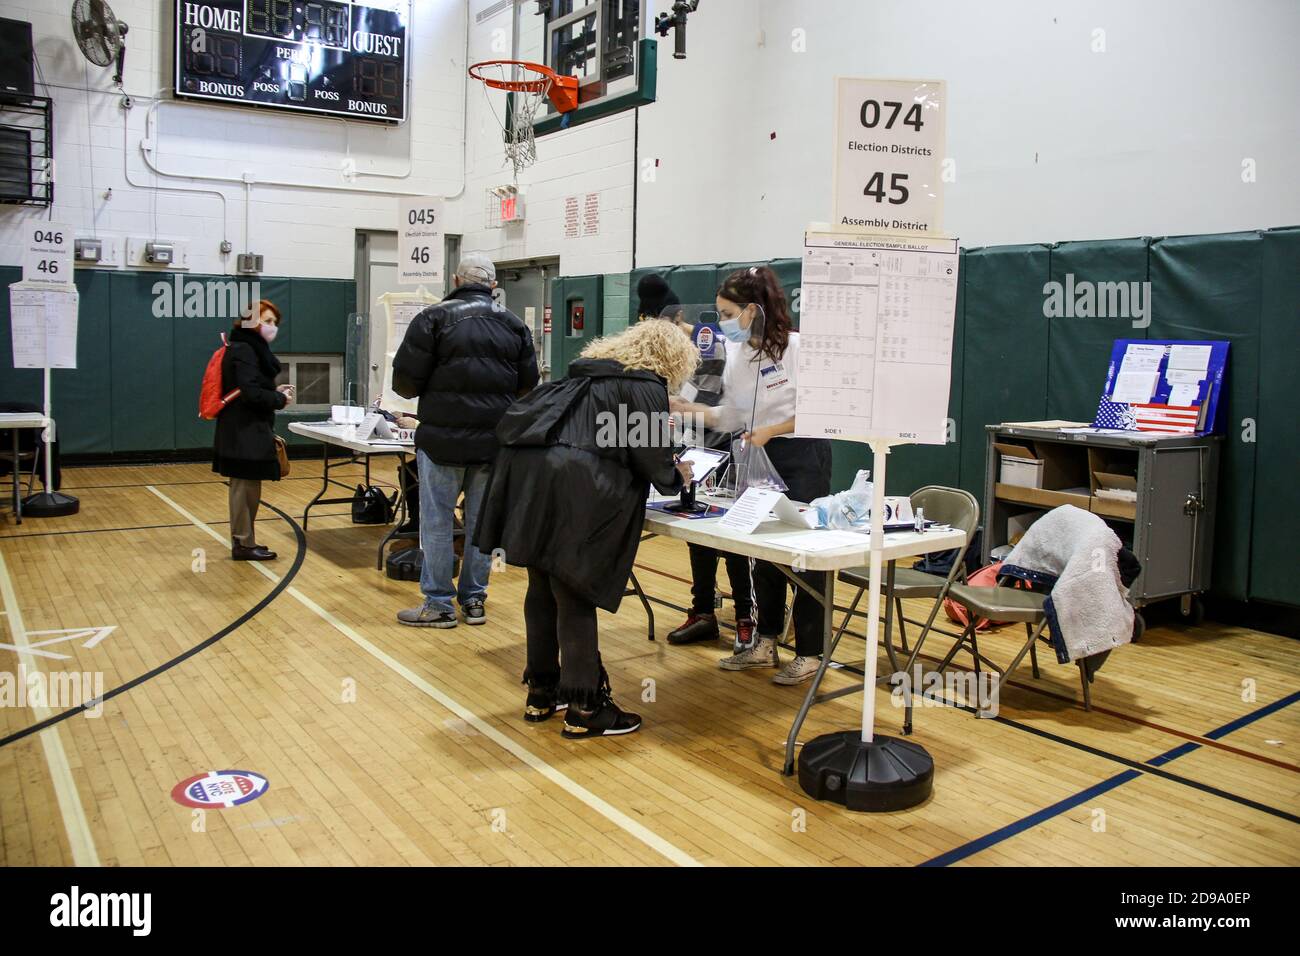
(704,580)
(562,647)
(804,464)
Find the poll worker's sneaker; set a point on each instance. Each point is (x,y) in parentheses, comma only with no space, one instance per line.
(426,615)
(762,654)
(698,627)
(543,703)
(797,671)
(474,613)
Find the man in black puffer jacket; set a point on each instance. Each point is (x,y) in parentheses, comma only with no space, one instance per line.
(466,359)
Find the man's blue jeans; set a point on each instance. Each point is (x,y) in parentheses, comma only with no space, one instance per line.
(440,487)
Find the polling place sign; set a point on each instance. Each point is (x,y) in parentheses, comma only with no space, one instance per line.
(889,146)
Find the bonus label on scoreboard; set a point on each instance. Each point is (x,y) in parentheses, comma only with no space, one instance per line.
(323,56)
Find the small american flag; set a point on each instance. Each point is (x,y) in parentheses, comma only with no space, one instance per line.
(1173,419)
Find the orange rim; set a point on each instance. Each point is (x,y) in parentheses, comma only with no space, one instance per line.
(562,91)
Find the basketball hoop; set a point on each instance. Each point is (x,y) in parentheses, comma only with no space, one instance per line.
(529,84)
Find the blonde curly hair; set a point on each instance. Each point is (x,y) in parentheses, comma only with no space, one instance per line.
(657,346)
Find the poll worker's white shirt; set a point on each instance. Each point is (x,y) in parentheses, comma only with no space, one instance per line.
(759,393)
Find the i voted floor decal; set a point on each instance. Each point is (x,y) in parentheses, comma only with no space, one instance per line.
(220,789)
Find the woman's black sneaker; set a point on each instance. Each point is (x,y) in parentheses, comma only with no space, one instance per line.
(607,720)
(542,704)
(698,627)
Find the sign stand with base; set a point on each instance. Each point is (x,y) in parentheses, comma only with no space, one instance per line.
(49,503)
(861,770)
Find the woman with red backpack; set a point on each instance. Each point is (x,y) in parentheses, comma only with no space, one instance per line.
(245,446)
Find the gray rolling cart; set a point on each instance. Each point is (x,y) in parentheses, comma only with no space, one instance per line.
(1170,525)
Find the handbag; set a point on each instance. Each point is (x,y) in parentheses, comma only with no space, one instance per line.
(282,455)
(371,506)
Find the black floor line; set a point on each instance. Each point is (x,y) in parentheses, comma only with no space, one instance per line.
(176,484)
(244,618)
(1077,745)
(145,527)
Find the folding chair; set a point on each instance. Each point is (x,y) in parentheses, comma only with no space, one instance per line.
(950,506)
(1013,605)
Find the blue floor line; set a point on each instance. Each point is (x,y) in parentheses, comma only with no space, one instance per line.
(1069,803)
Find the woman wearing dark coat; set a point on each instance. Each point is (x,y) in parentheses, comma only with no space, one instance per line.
(244,447)
(566,499)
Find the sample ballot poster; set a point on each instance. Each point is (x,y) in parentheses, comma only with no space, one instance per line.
(875,337)
(43,325)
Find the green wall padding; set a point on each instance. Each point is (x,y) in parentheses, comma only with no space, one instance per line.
(18,384)
(1079,347)
(1276,517)
(142,389)
(1209,287)
(695,285)
(568,289)
(83,414)
(789,272)
(1004,370)
(136,384)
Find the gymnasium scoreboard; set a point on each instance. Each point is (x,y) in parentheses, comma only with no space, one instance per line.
(321,56)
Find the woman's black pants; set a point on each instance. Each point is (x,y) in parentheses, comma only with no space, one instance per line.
(562,647)
(804,464)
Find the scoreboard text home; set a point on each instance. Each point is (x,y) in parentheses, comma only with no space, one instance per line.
(323,56)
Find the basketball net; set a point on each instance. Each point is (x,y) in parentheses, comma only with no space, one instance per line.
(521,110)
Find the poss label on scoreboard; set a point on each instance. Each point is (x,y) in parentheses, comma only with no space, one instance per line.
(319,56)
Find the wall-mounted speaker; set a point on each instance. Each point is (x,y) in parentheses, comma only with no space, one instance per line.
(16,74)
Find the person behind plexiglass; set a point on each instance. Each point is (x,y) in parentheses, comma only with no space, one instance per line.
(759,386)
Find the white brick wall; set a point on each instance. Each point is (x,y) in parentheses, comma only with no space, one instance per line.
(1052,141)
(300,231)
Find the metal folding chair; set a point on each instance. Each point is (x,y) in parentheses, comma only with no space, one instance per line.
(1012,605)
(950,506)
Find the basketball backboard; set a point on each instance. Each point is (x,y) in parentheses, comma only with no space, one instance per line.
(607,45)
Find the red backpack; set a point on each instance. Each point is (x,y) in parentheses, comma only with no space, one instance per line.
(211,400)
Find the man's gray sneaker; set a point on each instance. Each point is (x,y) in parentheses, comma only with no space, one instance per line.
(426,615)
(474,613)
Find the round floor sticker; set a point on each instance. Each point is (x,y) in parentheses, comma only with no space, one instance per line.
(217,789)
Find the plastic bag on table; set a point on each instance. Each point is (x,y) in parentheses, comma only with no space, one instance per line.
(753,468)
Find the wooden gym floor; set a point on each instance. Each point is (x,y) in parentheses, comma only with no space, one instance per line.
(390,745)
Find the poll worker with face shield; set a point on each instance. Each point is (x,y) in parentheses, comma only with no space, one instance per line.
(759,385)
(657,301)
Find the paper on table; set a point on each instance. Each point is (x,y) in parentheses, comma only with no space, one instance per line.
(1184,376)
(1184,395)
(1190,357)
(823,540)
(750,510)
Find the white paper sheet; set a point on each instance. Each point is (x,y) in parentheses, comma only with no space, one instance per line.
(1134,387)
(1190,357)
(750,510)
(824,540)
(1141,358)
(1184,395)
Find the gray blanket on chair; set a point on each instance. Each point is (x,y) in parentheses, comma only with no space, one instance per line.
(1075,553)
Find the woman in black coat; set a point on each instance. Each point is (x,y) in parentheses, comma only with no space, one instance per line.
(244,447)
(566,499)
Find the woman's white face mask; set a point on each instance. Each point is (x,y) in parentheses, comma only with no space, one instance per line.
(268,331)
(736,326)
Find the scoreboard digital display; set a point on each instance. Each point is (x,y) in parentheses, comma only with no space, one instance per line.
(320,56)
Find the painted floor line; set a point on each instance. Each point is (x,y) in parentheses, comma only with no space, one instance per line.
(521,753)
(80,839)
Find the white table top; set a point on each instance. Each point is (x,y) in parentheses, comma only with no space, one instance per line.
(337,435)
(766,541)
(22,420)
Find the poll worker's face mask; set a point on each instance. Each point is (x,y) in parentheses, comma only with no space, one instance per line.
(731,327)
